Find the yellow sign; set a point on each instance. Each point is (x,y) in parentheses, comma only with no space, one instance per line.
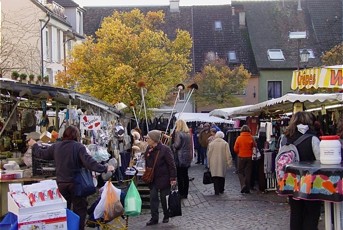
(325,77)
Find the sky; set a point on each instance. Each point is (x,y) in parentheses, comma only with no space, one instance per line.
(148,2)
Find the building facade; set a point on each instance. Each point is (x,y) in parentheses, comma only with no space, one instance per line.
(37,35)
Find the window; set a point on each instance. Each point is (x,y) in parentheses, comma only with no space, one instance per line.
(275,55)
(232,57)
(47,46)
(274,89)
(310,51)
(182,96)
(218,25)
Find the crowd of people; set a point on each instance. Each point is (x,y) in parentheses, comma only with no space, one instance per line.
(171,161)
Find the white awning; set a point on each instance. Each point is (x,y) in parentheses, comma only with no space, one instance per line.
(283,104)
(201,117)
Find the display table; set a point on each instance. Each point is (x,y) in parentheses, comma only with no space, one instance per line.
(4,189)
(315,181)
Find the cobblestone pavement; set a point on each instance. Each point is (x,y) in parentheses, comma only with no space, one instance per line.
(231,210)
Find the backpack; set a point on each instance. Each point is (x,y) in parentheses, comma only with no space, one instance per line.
(287,154)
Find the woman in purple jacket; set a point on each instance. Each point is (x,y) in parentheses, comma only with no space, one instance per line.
(164,174)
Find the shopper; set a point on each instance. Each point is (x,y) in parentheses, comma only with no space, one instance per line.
(219,159)
(164,174)
(304,213)
(183,154)
(62,152)
(243,148)
(203,141)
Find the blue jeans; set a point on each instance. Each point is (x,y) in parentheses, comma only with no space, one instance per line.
(154,201)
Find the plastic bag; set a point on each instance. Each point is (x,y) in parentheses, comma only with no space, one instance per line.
(133,201)
(108,207)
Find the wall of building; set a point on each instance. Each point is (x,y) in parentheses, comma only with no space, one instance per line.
(285,76)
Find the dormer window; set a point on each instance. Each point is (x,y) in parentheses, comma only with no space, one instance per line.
(309,50)
(218,26)
(232,57)
(275,55)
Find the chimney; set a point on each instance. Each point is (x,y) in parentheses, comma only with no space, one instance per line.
(299,5)
(174,6)
(242,18)
(233,11)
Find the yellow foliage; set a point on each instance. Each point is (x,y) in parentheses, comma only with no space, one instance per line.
(129,47)
(334,56)
(218,83)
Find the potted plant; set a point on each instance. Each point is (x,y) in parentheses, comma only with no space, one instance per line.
(39,79)
(31,78)
(15,75)
(22,77)
(46,79)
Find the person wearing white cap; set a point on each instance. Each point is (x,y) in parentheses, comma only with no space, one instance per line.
(219,159)
(164,174)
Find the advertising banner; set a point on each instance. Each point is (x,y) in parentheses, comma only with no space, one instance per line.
(90,122)
(319,77)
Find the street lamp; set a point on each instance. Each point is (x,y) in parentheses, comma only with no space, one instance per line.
(304,55)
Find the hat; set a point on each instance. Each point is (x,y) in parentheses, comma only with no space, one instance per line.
(154,135)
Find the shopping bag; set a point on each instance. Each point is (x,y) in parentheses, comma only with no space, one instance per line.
(207,178)
(104,205)
(83,182)
(256,155)
(133,201)
(174,204)
(113,207)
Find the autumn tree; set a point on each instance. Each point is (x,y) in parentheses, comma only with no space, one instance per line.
(218,84)
(334,56)
(129,51)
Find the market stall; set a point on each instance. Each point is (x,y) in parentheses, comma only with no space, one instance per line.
(283,104)
(42,112)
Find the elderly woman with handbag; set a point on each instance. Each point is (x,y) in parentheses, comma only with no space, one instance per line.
(219,159)
(160,163)
(69,155)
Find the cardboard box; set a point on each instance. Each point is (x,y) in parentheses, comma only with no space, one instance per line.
(50,220)
(45,137)
(46,207)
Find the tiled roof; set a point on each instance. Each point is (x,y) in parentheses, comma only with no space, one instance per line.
(269,25)
(199,21)
(327,21)
(65,3)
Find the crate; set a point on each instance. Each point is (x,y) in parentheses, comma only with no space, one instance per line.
(41,167)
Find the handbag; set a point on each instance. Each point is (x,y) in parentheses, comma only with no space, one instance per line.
(83,180)
(148,175)
(256,155)
(174,203)
(207,178)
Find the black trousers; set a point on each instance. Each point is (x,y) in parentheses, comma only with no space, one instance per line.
(154,201)
(218,184)
(304,214)
(182,180)
(77,204)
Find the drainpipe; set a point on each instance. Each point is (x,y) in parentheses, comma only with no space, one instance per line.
(41,44)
